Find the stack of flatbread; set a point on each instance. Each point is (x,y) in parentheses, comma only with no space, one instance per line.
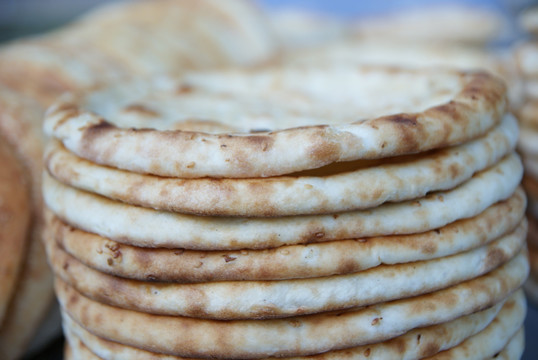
(330,212)
(111,44)
(526,55)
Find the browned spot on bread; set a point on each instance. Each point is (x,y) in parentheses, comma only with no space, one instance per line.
(141,109)
(184,89)
(403,119)
(431,348)
(495,257)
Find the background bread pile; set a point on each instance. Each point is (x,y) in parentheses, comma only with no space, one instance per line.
(289,212)
(526,55)
(104,47)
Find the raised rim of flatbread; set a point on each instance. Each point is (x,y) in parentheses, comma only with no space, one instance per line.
(445,108)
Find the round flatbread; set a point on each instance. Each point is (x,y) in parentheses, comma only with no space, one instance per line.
(270,299)
(143,36)
(286,262)
(291,336)
(366,185)
(414,344)
(308,107)
(14,222)
(130,224)
(514,349)
(490,341)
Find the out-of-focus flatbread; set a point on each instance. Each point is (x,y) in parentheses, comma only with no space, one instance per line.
(14,221)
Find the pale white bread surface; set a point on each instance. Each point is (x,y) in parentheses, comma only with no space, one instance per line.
(414,344)
(493,339)
(286,262)
(416,55)
(143,35)
(448,23)
(14,221)
(295,336)
(365,185)
(329,114)
(527,58)
(129,224)
(283,298)
(514,349)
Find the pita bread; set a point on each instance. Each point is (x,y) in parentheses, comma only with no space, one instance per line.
(314,112)
(286,262)
(143,36)
(270,299)
(20,123)
(14,221)
(55,64)
(514,349)
(291,336)
(414,344)
(343,190)
(128,224)
(490,341)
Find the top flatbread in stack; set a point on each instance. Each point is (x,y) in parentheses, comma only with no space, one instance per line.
(346,205)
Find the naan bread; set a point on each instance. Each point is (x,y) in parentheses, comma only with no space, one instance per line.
(286,262)
(131,225)
(366,185)
(309,117)
(292,336)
